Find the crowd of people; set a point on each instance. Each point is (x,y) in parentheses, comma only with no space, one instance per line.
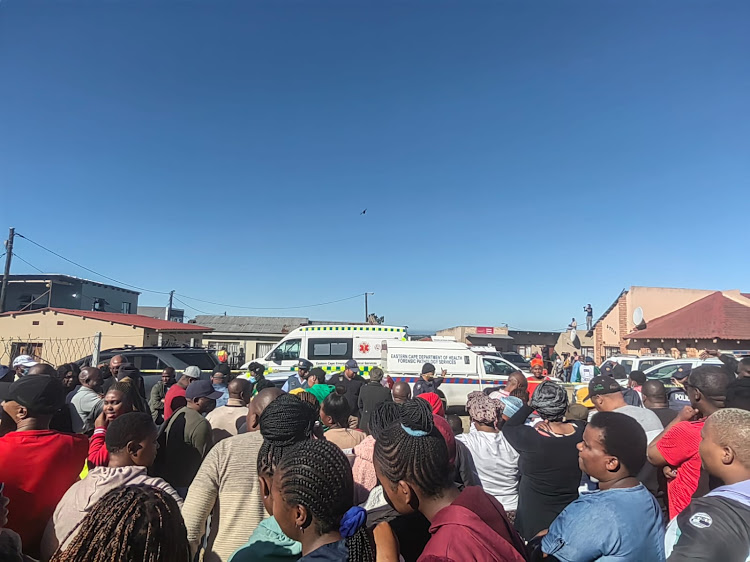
(343,468)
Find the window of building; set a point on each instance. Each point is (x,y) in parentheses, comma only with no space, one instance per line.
(262,349)
(610,351)
(587,351)
(524,350)
(329,349)
(126,308)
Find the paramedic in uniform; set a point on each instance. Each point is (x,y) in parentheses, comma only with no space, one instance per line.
(428,382)
(299,379)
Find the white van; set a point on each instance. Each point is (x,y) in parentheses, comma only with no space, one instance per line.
(467,370)
(329,346)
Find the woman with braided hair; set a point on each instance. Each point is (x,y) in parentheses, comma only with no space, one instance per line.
(286,421)
(548,459)
(411,463)
(312,502)
(130,524)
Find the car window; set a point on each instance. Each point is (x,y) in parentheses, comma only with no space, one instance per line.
(514,357)
(205,361)
(495,367)
(668,371)
(340,348)
(648,363)
(627,364)
(145,361)
(288,350)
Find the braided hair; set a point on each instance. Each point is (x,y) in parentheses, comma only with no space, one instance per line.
(414,450)
(312,399)
(382,416)
(129,524)
(285,421)
(129,392)
(318,476)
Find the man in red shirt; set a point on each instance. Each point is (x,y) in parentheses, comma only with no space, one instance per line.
(38,464)
(175,399)
(677,446)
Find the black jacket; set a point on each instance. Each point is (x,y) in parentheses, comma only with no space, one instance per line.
(352,387)
(370,395)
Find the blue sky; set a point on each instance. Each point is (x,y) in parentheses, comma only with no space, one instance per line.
(517,159)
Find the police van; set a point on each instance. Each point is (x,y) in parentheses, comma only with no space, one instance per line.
(330,346)
(468,369)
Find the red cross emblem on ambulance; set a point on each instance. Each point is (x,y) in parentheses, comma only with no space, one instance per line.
(364,348)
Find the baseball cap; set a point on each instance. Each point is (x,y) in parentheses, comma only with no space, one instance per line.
(193,372)
(40,394)
(352,365)
(582,397)
(602,384)
(428,368)
(201,389)
(24,361)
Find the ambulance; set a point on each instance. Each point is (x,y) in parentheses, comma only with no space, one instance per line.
(330,346)
(468,369)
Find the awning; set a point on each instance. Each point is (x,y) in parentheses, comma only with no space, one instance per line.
(488,337)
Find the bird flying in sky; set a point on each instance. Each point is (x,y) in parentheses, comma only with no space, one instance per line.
(363,212)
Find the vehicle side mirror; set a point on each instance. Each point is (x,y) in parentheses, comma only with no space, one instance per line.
(277,355)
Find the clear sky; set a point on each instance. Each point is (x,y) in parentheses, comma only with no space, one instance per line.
(517,159)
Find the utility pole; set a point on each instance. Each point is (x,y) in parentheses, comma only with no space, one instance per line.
(168,314)
(6,273)
(367,312)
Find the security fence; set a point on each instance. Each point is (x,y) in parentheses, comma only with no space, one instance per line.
(55,351)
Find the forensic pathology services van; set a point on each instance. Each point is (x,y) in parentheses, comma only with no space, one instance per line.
(467,369)
(330,346)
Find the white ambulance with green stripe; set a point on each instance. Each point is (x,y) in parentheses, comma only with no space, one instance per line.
(330,346)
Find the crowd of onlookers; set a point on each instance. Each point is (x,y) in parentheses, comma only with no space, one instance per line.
(94,468)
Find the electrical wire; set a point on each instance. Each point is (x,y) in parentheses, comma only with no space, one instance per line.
(184,296)
(191,308)
(15,255)
(89,269)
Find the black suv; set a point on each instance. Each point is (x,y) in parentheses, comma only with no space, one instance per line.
(152,360)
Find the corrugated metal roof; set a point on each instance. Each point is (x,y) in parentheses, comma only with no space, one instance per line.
(118,318)
(713,316)
(252,324)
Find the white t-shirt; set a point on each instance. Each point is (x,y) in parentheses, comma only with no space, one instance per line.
(497,465)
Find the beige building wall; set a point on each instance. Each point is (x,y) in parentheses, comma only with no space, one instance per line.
(461,332)
(61,338)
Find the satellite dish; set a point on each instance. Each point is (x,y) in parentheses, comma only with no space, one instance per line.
(573,337)
(638,318)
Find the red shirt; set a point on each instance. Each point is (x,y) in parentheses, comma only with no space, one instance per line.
(533,383)
(679,447)
(38,467)
(174,399)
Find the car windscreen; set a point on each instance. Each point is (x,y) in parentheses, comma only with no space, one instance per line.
(515,357)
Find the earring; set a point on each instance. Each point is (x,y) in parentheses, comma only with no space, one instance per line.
(302,529)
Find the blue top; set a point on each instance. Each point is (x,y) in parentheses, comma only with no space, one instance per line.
(222,400)
(618,524)
(332,552)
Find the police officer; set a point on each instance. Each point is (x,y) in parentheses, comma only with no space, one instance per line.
(298,380)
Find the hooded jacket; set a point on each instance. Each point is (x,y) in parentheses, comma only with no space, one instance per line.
(474,528)
(268,543)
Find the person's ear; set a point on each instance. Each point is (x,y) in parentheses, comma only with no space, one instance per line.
(727,455)
(265,489)
(253,421)
(22,413)
(407,494)
(133,448)
(613,464)
(302,517)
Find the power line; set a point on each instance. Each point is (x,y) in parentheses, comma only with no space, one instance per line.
(184,296)
(89,269)
(191,308)
(15,255)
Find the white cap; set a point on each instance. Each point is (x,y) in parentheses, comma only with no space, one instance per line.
(193,372)
(24,360)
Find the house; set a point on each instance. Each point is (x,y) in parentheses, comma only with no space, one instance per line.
(612,330)
(719,321)
(252,336)
(60,335)
(34,292)
(160,312)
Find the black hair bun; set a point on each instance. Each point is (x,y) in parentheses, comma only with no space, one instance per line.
(417,415)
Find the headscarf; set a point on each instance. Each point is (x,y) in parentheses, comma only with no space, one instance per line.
(550,400)
(435,403)
(483,409)
(536,361)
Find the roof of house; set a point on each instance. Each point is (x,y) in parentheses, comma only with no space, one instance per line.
(252,324)
(714,316)
(118,318)
(62,277)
